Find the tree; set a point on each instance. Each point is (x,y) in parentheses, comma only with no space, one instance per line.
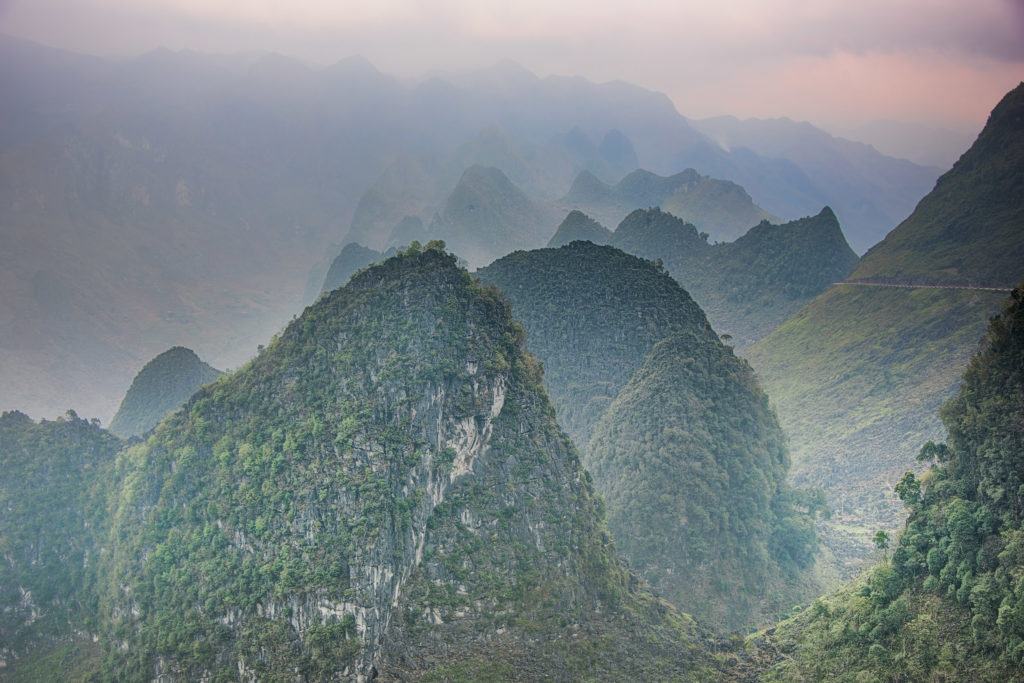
(881,541)
(909,491)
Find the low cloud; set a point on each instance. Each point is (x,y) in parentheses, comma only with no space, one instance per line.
(943,59)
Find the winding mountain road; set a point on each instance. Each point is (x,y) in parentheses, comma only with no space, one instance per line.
(907,286)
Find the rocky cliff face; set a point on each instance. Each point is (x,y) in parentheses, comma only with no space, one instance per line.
(381,493)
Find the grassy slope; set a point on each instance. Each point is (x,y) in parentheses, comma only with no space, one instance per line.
(857,377)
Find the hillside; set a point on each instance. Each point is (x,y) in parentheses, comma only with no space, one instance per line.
(383,492)
(948,604)
(161,387)
(592,315)
(719,207)
(677,435)
(967,231)
(51,531)
(692,465)
(858,375)
(750,286)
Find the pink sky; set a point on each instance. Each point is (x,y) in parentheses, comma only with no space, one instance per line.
(941,62)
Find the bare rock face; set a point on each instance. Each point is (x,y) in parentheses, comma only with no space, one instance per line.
(382,493)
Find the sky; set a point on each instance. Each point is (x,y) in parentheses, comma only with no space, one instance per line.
(835,63)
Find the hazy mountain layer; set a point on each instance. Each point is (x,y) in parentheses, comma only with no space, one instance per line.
(161,387)
(487,216)
(868,190)
(719,207)
(351,258)
(183,198)
(579,227)
(383,492)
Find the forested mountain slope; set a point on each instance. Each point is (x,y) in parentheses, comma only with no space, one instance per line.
(592,315)
(680,440)
(949,603)
(52,531)
(692,465)
(967,231)
(383,491)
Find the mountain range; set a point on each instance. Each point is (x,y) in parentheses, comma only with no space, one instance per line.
(383,492)
(604,459)
(180,198)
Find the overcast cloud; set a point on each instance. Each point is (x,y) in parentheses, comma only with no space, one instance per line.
(944,62)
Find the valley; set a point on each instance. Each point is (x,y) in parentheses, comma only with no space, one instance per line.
(523,378)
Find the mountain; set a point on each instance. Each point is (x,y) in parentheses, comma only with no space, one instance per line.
(577,226)
(678,437)
(719,207)
(161,387)
(869,191)
(858,375)
(410,186)
(948,604)
(382,493)
(692,463)
(975,206)
(351,258)
(52,530)
(750,286)
(487,216)
(592,315)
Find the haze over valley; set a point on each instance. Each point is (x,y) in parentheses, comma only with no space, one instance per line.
(383,345)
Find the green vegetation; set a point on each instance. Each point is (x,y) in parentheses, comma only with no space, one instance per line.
(750,286)
(692,464)
(857,378)
(51,529)
(950,600)
(685,449)
(592,314)
(858,375)
(383,486)
(161,387)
